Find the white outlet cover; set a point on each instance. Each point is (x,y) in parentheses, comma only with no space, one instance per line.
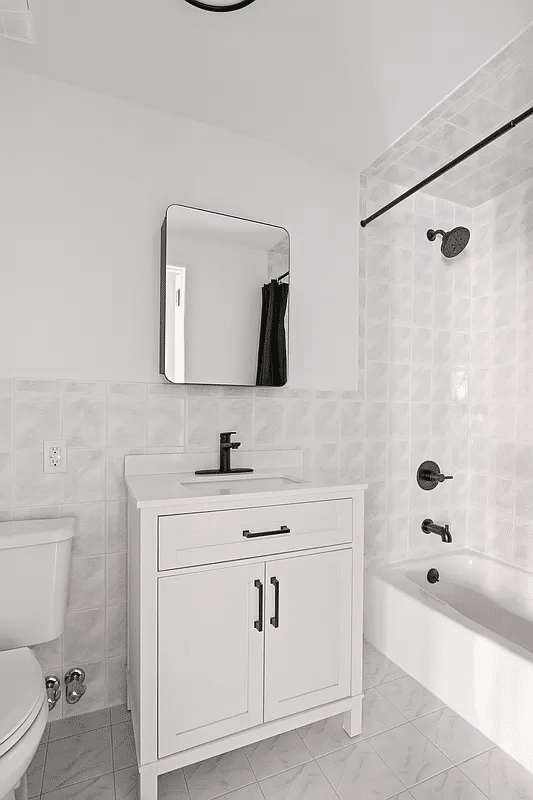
(48,467)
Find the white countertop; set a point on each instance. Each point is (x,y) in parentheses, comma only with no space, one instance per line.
(158,487)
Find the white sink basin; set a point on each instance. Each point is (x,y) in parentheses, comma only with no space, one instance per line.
(238,484)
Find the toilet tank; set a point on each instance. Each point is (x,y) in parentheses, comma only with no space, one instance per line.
(34,580)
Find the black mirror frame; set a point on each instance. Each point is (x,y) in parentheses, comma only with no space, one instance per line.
(209,7)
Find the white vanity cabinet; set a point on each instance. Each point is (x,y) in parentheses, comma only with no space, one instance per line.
(244,618)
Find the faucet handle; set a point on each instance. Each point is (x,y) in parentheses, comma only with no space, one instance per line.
(225,438)
(429,475)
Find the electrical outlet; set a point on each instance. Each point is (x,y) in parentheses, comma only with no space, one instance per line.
(55,456)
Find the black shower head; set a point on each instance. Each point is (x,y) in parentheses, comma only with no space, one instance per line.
(453,242)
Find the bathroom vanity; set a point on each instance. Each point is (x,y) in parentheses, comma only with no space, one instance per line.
(244,605)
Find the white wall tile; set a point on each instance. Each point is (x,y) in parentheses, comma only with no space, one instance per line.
(32,487)
(87,584)
(84,636)
(83,420)
(37,418)
(84,479)
(126,420)
(89,536)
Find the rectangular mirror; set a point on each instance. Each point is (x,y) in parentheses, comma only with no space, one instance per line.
(224,297)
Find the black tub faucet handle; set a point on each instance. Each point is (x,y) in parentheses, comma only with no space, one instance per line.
(429,475)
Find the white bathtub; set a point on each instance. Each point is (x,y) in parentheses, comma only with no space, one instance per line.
(468,638)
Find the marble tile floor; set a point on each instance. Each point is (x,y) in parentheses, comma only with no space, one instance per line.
(411,748)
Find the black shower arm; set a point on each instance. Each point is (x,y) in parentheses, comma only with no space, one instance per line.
(470,152)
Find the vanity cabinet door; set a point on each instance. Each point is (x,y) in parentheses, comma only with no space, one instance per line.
(307,631)
(210,675)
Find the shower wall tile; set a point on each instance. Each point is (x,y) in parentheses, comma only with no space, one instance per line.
(501,464)
(416,399)
(497,92)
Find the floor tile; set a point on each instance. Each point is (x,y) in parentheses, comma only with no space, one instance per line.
(325,736)
(35,772)
(449,785)
(453,735)
(410,697)
(218,775)
(71,726)
(499,776)
(101,788)
(172,786)
(119,714)
(378,714)
(277,754)
(127,784)
(77,759)
(377,668)
(306,782)
(251,792)
(411,756)
(123,745)
(358,772)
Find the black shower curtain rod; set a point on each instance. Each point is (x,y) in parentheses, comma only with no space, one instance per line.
(483,143)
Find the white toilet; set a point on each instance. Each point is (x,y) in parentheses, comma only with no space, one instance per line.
(34,580)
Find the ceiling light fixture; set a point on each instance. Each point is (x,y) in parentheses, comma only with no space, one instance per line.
(220,5)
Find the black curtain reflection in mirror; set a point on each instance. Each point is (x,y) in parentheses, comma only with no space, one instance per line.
(272,356)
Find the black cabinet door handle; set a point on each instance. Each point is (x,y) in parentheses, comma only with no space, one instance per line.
(249,535)
(258,624)
(275,619)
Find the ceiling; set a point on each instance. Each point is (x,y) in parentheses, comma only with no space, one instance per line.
(337,81)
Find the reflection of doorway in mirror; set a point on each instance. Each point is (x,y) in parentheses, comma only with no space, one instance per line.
(175,323)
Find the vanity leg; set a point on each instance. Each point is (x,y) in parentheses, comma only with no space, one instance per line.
(353,719)
(148,782)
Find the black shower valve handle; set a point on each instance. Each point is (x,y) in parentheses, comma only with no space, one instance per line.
(441,478)
(428,475)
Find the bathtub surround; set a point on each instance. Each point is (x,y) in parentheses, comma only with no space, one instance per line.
(445,344)
(101,422)
(495,94)
(501,395)
(414,362)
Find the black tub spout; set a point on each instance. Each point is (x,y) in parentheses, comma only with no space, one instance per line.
(428,526)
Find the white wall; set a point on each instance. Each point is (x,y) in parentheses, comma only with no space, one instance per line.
(85,183)
(336,80)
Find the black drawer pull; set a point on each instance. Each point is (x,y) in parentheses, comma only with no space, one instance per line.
(258,624)
(249,535)
(275,619)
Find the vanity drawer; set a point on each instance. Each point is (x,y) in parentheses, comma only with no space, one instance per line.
(212,536)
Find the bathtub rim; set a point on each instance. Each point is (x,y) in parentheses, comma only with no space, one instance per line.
(394,574)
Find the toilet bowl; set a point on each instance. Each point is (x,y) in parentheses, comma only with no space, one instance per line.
(24,714)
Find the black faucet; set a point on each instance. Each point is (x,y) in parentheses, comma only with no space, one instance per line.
(428,526)
(226,446)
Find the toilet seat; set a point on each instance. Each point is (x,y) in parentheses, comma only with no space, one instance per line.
(22,694)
